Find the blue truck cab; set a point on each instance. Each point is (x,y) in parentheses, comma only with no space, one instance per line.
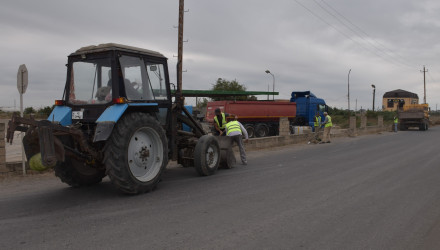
(307,104)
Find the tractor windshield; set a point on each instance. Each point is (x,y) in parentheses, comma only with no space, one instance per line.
(143,80)
(90,82)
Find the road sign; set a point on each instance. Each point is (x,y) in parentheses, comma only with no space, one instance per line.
(22,79)
(22,83)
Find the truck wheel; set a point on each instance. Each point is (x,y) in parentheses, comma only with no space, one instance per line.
(207,155)
(136,153)
(250,130)
(77,174)
(261,130)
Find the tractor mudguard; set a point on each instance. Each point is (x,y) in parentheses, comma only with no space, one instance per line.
(62,115)
(111,115)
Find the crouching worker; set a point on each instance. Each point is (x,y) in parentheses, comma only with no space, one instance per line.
(236,130)
(220,122)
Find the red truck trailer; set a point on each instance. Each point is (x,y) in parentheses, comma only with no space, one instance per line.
(260,118)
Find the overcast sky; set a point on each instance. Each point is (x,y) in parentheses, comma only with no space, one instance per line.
(306,44)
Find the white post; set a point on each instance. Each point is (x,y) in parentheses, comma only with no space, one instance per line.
(22,83)
(23,165)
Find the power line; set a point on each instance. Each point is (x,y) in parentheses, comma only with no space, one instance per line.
(332,26)
(430,76)
(344,34)
(364,36)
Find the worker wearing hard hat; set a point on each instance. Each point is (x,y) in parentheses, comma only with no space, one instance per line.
(327,127)
(236,130)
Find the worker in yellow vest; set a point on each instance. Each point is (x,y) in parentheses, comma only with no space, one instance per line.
(236,130)
(317,126)
(220,122)
(327,127)
(396,121)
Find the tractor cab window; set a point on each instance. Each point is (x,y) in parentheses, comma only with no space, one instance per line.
(322,108)
(88,82)
(142,80)
(156,76)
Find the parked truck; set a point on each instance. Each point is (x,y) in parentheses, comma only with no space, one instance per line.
(414,115)
(261,118)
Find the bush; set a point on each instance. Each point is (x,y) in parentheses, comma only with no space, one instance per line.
(29,110)
(371,114)
(45,112)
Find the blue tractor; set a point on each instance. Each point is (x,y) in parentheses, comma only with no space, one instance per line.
(117,117)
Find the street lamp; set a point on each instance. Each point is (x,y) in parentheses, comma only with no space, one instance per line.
(374,93)
(273,85)
(348,94)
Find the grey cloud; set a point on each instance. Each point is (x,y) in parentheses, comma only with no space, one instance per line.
(232,40)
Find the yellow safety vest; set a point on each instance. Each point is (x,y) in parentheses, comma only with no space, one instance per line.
(223,121)
(232,127)
(329,122)
(317,121)
(396,120)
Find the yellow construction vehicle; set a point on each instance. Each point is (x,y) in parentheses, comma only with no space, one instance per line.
(414,115)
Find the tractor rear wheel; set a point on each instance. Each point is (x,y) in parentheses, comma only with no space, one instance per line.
(136,153)
(207,155)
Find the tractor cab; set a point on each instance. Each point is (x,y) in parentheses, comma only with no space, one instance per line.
(107,74)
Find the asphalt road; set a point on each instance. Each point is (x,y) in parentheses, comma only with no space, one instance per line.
(371,192)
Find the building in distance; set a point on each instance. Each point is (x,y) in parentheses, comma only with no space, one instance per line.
(398,98)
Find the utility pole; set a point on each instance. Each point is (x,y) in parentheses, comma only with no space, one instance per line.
(178,95)
(374,94)
(424,84)
(180,50)
(348,95)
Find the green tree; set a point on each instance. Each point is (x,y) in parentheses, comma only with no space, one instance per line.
(225,85)
(202,103)
(45,111)
(28,110)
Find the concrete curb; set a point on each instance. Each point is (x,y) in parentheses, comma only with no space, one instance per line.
(278,141)
(15,168)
